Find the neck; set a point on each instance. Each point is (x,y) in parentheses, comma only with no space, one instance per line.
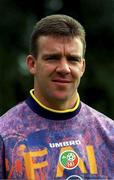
(59,105)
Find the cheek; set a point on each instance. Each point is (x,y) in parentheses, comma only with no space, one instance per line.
(44,71)
(48,69)
(40,69)
(76,72)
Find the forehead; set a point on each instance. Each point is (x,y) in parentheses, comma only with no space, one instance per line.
(59,44)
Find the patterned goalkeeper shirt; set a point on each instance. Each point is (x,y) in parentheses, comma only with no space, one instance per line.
(38,143)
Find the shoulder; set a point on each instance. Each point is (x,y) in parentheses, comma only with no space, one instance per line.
(12,117)
(19,108)
(96,117)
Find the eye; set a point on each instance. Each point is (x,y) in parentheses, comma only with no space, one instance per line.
(74,58)
(51,58)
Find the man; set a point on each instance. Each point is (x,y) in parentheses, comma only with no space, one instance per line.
(52,134)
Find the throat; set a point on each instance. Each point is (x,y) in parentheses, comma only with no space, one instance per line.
(73,106)
(61,105)
(57,104)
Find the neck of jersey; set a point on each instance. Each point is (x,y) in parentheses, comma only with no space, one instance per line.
(50,113)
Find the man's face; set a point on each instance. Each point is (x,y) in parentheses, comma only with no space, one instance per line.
(58,68)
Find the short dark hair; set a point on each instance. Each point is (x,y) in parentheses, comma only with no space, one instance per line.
(56,25)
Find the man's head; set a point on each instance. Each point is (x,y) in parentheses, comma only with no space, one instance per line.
(57,26)
(57,60)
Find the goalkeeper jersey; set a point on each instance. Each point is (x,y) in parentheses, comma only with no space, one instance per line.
(38,143)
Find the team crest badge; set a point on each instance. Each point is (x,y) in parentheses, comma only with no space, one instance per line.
(69,159)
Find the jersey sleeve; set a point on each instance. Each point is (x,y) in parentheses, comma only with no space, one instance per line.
(2,159)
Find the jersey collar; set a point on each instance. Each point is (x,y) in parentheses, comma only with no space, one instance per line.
(49,113)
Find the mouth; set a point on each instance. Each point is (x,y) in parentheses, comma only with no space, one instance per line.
(62,81)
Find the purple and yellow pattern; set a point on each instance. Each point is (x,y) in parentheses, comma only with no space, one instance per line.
(33,138)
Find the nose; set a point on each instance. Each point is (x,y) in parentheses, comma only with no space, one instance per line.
(63,67)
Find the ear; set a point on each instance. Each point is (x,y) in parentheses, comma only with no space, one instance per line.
(83,67)
(31,64)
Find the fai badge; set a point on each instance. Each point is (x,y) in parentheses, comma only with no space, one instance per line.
(69,159)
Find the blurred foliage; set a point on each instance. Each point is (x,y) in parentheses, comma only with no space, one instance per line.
(17,19)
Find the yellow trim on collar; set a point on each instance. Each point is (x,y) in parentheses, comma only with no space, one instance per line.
(53,110)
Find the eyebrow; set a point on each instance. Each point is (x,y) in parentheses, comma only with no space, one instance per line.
(74,56)
(51,55)
(58,55)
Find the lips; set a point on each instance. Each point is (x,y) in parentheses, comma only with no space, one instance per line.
(61,81)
